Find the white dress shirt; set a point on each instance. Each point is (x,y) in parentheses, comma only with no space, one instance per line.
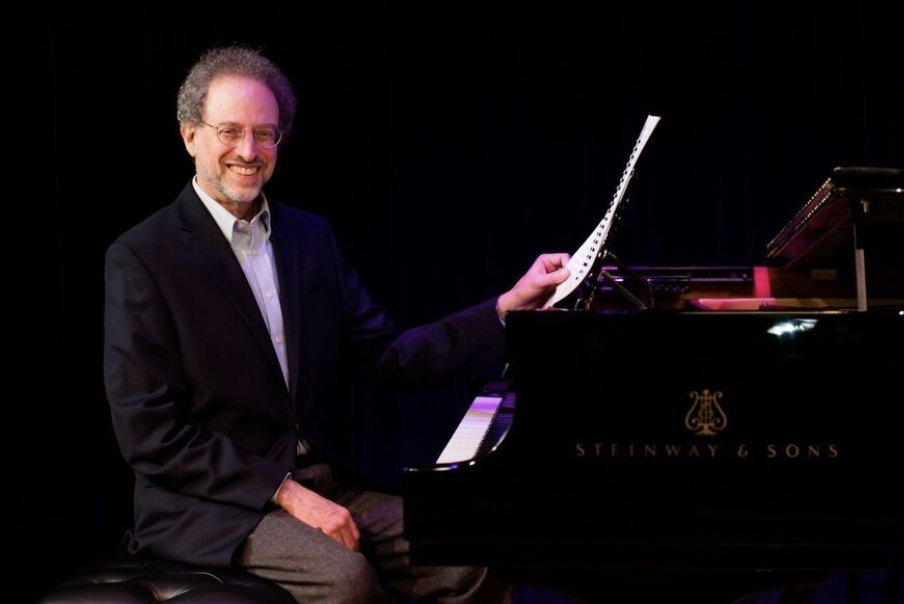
(250,242)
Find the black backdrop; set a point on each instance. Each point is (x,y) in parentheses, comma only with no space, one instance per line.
(448,142)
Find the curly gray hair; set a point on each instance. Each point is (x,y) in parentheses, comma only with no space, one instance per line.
(240,61)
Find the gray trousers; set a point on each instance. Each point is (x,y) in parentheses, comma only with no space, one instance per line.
(315,568)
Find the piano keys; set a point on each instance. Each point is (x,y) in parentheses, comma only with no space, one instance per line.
(484,425)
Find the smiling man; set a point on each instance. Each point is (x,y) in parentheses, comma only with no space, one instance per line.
(233,325)
(233,163)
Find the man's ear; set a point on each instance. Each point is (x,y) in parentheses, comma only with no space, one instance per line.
(188,131)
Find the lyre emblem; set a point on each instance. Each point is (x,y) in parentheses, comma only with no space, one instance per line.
(706,417)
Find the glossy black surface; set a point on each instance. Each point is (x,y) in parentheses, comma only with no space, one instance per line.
(605,464)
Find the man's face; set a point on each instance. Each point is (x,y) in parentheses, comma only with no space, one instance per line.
(233,175)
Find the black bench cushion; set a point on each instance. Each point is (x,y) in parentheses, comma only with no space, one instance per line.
(128,579)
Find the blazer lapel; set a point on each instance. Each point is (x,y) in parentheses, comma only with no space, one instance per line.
(287,249)
(205,239)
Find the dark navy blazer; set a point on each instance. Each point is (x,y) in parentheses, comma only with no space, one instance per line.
(200,408)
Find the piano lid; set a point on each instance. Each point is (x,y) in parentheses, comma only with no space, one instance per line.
(822,231)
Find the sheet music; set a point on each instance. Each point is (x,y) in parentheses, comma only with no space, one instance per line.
(582,260)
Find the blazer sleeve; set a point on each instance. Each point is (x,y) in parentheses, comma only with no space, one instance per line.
(458,345)
(344,326)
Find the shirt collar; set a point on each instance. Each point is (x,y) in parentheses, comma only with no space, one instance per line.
(225,220)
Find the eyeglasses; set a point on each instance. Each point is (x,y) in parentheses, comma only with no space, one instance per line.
(231,134)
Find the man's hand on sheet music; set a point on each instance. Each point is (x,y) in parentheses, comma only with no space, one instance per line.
(536,286)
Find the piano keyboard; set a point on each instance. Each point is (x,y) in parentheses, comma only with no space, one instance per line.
(483,426)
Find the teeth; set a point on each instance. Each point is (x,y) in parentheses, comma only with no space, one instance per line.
(244,171)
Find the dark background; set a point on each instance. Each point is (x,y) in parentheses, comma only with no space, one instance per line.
(448,142)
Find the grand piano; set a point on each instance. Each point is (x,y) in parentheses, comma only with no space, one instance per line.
(719,431)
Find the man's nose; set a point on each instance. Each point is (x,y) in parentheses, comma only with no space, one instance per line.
(248,147)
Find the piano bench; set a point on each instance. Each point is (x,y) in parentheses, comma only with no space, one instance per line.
(128,579)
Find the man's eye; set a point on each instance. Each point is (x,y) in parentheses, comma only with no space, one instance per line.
(265,135)
(230,133)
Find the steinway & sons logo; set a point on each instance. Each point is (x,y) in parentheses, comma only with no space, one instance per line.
(706,418)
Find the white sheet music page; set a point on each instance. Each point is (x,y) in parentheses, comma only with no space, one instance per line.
(582,260)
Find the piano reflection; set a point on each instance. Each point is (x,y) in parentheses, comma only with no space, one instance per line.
(716,423)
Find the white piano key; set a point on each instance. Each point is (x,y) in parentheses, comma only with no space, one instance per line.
(471,430)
